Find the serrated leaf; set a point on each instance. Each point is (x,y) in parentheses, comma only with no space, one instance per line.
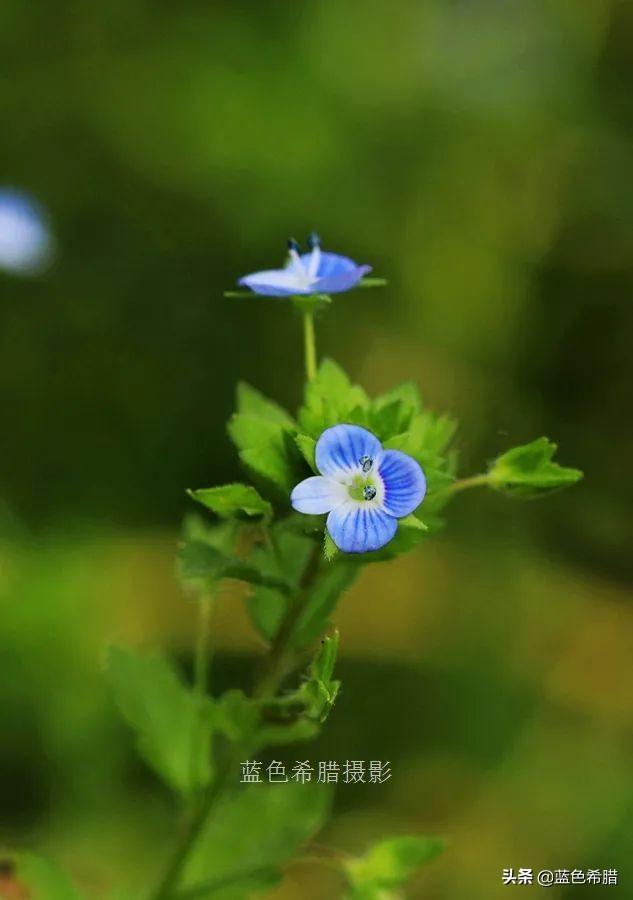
(231,499)
(259,827)
(262,448)
(391,862)
(172,725)
(528,471)
(44,879)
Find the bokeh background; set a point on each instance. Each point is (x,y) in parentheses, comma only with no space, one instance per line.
(479,155)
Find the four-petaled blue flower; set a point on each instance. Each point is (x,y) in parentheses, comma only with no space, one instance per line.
(25,240)
(316,272)
(364,488)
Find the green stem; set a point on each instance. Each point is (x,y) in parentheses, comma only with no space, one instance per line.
(464,484)
(461,484)
(309,344)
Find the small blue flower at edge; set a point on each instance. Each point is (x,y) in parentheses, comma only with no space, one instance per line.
(25,240)
(363,488)
(316,272)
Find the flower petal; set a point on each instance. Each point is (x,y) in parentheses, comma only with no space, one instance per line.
(25,240)
(275,282)
(318,495)
(340,448)
(357,528)
(404,483)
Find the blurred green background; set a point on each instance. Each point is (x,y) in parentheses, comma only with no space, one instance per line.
(479,155)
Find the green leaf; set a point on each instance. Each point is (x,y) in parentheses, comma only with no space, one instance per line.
(251,402)
(307,446)
(232,499)
(391,862)
(172,725)
(528,471)
(412,521)
(258,827)
(263,449)
(43,879)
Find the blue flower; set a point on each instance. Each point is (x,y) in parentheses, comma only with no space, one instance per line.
(25,240)
(364,488)
(315,272)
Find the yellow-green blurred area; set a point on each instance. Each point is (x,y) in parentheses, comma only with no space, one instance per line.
(479,155)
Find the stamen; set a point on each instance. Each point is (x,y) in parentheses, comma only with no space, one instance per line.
(366,462)
(293,245)
(314,240)
(369,492)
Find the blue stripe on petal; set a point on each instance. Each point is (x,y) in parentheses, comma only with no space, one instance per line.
(404,483)
(360,529)
(318,495)
(340,448)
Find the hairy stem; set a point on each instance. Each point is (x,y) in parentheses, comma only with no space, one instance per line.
(309,344)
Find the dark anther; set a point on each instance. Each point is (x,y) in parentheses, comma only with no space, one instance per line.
(314,240)
(369,492)
(366,462)
(293,245)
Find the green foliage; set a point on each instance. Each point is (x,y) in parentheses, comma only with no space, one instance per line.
(283,558)
(263,449)
(233,499)
(528,471)
(255,830)
(202,565)
(389,864)
(329,399)
(307,446)
(172,725)
(253,403)
(254,724)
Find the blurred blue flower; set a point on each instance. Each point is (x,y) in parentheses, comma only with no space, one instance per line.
(25,239)
(364,488)
(316,272)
